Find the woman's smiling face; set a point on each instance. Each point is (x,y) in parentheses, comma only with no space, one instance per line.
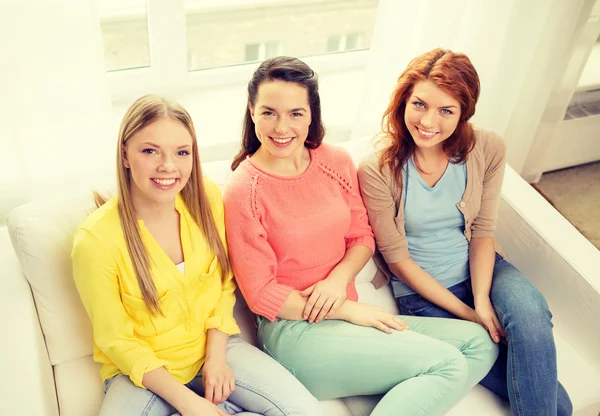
(431,115)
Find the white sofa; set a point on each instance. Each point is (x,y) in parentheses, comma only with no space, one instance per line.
(47,338)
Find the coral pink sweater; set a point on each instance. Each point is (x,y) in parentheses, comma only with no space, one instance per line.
(288,233)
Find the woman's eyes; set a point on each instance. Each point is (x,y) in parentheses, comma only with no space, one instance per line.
(270,113)
(179,153)
(421,106)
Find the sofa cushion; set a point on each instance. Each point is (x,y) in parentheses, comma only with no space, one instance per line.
(41,234)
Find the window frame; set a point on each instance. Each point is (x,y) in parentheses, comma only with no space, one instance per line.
(168,71)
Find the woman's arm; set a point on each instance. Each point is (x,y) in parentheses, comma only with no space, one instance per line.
(217,377)
(425,285)
(482,252)
(161,382)
(96,278)
(327,295)
(221,317)
(382,198)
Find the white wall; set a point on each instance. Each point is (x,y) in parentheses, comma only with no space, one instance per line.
(55,104)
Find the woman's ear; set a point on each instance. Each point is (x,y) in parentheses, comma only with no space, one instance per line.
(251,110)
(124,155)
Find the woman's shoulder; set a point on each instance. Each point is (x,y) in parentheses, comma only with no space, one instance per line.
(239,183)
(333,154)
(102,226)
(107,215)
(488,142)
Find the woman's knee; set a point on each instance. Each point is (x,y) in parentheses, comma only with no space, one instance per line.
(481,344)
(449,363)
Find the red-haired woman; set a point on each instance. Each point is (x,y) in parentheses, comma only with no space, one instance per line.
(432,194)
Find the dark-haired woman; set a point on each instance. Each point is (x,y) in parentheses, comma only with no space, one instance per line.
(432,194)
(298,235)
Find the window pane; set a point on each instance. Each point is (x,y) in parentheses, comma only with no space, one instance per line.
(229,32)
(252,52)
(125,33)
(333,43)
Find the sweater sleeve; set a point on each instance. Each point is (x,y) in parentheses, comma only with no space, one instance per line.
(381,206)
(484,225)
(96,279)
(360,232)
(252,257)
(221,317)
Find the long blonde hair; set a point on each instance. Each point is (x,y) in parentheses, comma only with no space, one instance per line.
(143,111)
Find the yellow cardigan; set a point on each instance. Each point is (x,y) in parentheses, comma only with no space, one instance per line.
(128,339)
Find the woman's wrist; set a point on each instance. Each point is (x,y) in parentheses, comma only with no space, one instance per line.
(343,312)
(481,300)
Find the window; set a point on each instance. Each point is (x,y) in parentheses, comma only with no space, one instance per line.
(124,29)
(261,51)
(230,32)
(348,42)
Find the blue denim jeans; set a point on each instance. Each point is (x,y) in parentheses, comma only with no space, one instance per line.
(525,371)
(262,387)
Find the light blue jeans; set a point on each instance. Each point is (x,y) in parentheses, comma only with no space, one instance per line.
(262,387)
(525,372)
(422,371)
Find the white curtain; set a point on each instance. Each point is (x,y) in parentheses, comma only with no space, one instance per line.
(55,110)
(520,49)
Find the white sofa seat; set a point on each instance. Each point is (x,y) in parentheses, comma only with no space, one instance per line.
(56,371)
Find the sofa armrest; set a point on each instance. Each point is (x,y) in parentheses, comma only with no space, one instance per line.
(28,385)
(557,259)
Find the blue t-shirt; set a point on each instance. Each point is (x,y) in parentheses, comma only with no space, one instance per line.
(434,226)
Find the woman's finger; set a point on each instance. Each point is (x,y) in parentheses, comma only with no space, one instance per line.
(499,327)
(491,328)
(218,393)
(308,291)
(317,308)
(209,390)
(325,309)
(382,327)
(310,304)
(336,305)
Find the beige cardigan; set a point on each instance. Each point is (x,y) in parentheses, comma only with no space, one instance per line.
(479,204)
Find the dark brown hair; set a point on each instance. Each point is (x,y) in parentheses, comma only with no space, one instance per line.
(453,73)
(288,69)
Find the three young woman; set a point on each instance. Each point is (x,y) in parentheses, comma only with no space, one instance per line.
(298,235)
(152,270)
(151,267)
(432,193)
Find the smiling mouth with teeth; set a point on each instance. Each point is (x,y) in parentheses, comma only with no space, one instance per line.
(426,133)
(282,141)
(164,182)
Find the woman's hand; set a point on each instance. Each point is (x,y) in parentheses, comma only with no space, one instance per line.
(374,316)
(324,297)
(489,320)
(218,380)
(199,406)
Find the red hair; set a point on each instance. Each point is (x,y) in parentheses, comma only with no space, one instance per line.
(454,74)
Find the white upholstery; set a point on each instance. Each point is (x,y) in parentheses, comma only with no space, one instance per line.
(41,235)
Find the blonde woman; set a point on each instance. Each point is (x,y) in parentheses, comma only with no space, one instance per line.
(151,267)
